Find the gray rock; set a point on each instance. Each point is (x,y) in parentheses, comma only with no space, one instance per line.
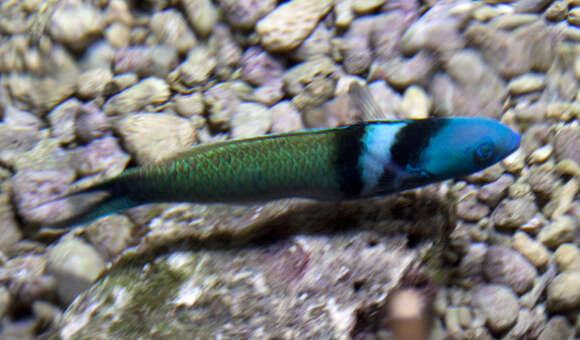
(402,72)
(101,155)
(512,213)
(251,119)
(169,27)
(355,46)
(151,137)
(244,14)
(269,93)
(13,142)
(20,119)
(557,328)
(10,229)
(91,83)
(285,117)
(493,193)
(566,143)
(110,235)
(196,68)
(222,101)
(146,61)
(311,83)
(317,44)
(228,52)
(499,306)
(259,67)
(75,264)
(91,123)
(26,279)
(151,90)
(471,265)
(62,120)
(563,293)
(543,181)
(470,208)
(506,266)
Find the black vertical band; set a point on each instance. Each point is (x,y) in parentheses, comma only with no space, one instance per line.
(350,146)
(412,139)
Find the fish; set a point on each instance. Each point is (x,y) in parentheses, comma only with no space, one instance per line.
(355,161)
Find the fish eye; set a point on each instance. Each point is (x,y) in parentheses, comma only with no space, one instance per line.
(484,151)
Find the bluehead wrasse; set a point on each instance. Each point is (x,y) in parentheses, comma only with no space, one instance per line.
(355,161)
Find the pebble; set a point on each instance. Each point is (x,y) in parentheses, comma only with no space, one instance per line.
(355,46)
(311,83)
(343,13)
(563,293)
(26,279)
(557,328)
(562,199)
(514,162)
(541,155)
(513,20)
(75,264)
(100,155)
(151,137)
(189,105)
(513,213)
(10,228)
(91,123)
(5,301)
(506,266)
(492,193)
(471,265)
(567,256)
(118,35)
(557,232)
(250,120)
(243,14)
(259,67)
(222,101)
(150,90)
(416,103)
(62,120)
(452,319)
(170,27)
(110,235)
(403,72)
(318,43)
(290,23)
(470,208)
(201,14)
(17,119)
(526,83)
(197,67)
(92,82)
(566,143)
(533,250)
(524,325)
(498,304)
(543,181)
(155,60)
(76,24)
(120,83)
(285,117)
(366,6)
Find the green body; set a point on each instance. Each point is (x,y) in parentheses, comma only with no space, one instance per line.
(257,169)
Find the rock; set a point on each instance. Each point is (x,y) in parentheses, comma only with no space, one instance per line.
(251,119)
(228,52)
(5,301)
(26,279)
(311,83)
(244,14)
(498,304)
(533,250)
(170,28)
(470,209)
(512,213)
(101,155)
(506,266)
(110,235)
(416,104)
(151,90)
(285,117)
(526,325)
(42,93)
(529,5)
(118,35)
(10,229)
(120,83)
(269,93)
(343,13)
(566,143)
(563,293)
(387,30)
(92,82)
(557,328)
(20,120)
(387,99)
(525,83)
(557,232)
(567,256)
(355,46)
(259,67)
(494,192)
(222,102)
(562,199)
(62,120)
(290,23)
(197,67)
(452,319)
(403,72)
(189,105)
(543,181)
(201,14)
(75,265)
(366,6)
(46,155)
(146,61)
(151,137)
(471,265)
(91,123)
(317,44)
(32,188)
(541,155)
(76,24)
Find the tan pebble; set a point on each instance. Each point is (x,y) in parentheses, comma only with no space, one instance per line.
(152,137)
(563,293)
(343,13)
(366,6)
(170,27)
(557,11)
(118,11)
(251,119)
(533,250)
(118,35)
(91,83)
(452,320)
(574,16)
(189,105)
(148,91)
(416,104)
(567,257)
(559,231)
(511,21)
(534,224)
(568,167)
(563,111)
(564,197)
(540,155)
(515,161)
(525,83)
(202,15)
(572,33)
(486,12)
(519,189)
(464,317)
(290,23)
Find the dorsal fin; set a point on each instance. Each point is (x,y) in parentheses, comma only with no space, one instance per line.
(364,101)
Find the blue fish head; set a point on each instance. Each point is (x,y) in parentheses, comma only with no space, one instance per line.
(461,146)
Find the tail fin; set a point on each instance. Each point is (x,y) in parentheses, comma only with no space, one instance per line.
(87,209)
